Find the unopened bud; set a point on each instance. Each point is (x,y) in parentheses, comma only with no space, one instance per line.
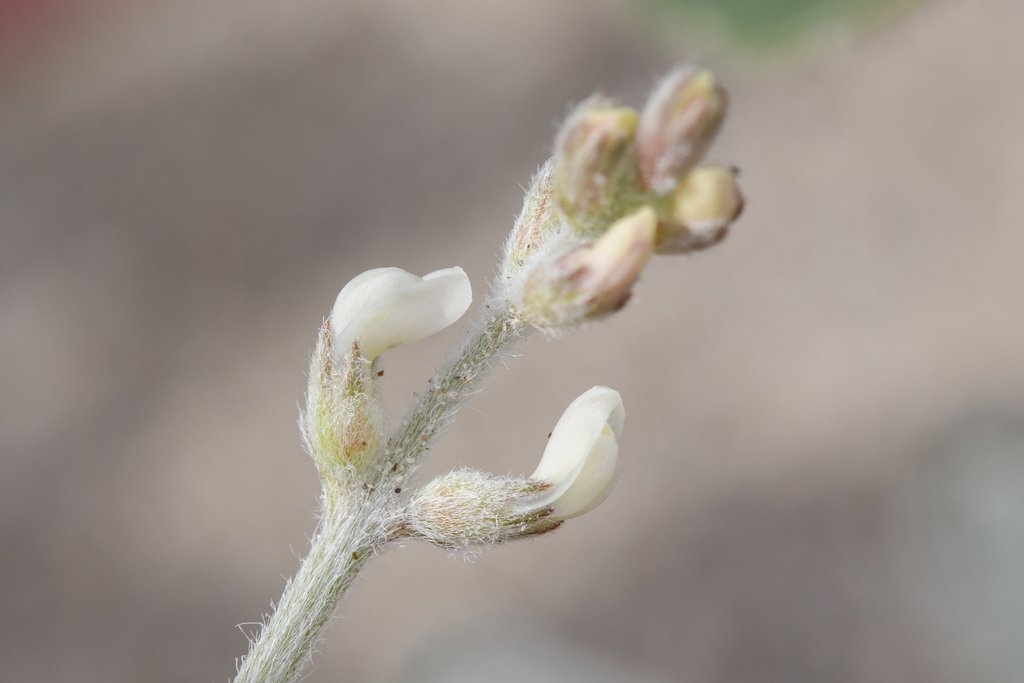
(593,280)
(594,163)
(704,205)
(677,125)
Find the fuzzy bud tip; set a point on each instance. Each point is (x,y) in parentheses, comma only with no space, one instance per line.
(677,125)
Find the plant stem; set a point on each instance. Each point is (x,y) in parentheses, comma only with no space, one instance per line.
(497,327)
(353,529)
(345,539)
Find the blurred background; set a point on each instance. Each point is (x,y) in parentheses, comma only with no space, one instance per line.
(823,473)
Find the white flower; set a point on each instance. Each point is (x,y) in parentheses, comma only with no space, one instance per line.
(466,508)
(387,307)
(582,456)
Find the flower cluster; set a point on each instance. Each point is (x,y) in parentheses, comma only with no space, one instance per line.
(387,307)
(622,186)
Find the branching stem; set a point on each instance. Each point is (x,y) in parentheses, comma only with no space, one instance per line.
(351,531)
(497,327)
(621,186)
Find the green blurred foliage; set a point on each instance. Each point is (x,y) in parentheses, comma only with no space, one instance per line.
(771,24)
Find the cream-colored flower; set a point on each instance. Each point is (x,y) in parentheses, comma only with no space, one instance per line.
(582,456)
(465,508)
(387,307)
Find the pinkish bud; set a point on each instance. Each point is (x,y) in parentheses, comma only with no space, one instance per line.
(677,125)
(593,280)
(594,163)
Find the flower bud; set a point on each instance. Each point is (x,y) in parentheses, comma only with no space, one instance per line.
(387,307)
(593,280)
(582,456)
(706,202)
(677,125)
(594,163)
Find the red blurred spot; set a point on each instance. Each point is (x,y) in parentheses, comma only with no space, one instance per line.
(27,24)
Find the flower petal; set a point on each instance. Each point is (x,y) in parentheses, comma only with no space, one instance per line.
(387,307)
(583,448)
(594,481)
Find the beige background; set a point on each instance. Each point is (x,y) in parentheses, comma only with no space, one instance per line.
(822,475)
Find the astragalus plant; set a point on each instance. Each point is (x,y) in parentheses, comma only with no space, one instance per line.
(622,185)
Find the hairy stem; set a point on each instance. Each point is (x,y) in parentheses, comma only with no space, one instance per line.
(363,478)
(497,327)
(346,538)
(352,530)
